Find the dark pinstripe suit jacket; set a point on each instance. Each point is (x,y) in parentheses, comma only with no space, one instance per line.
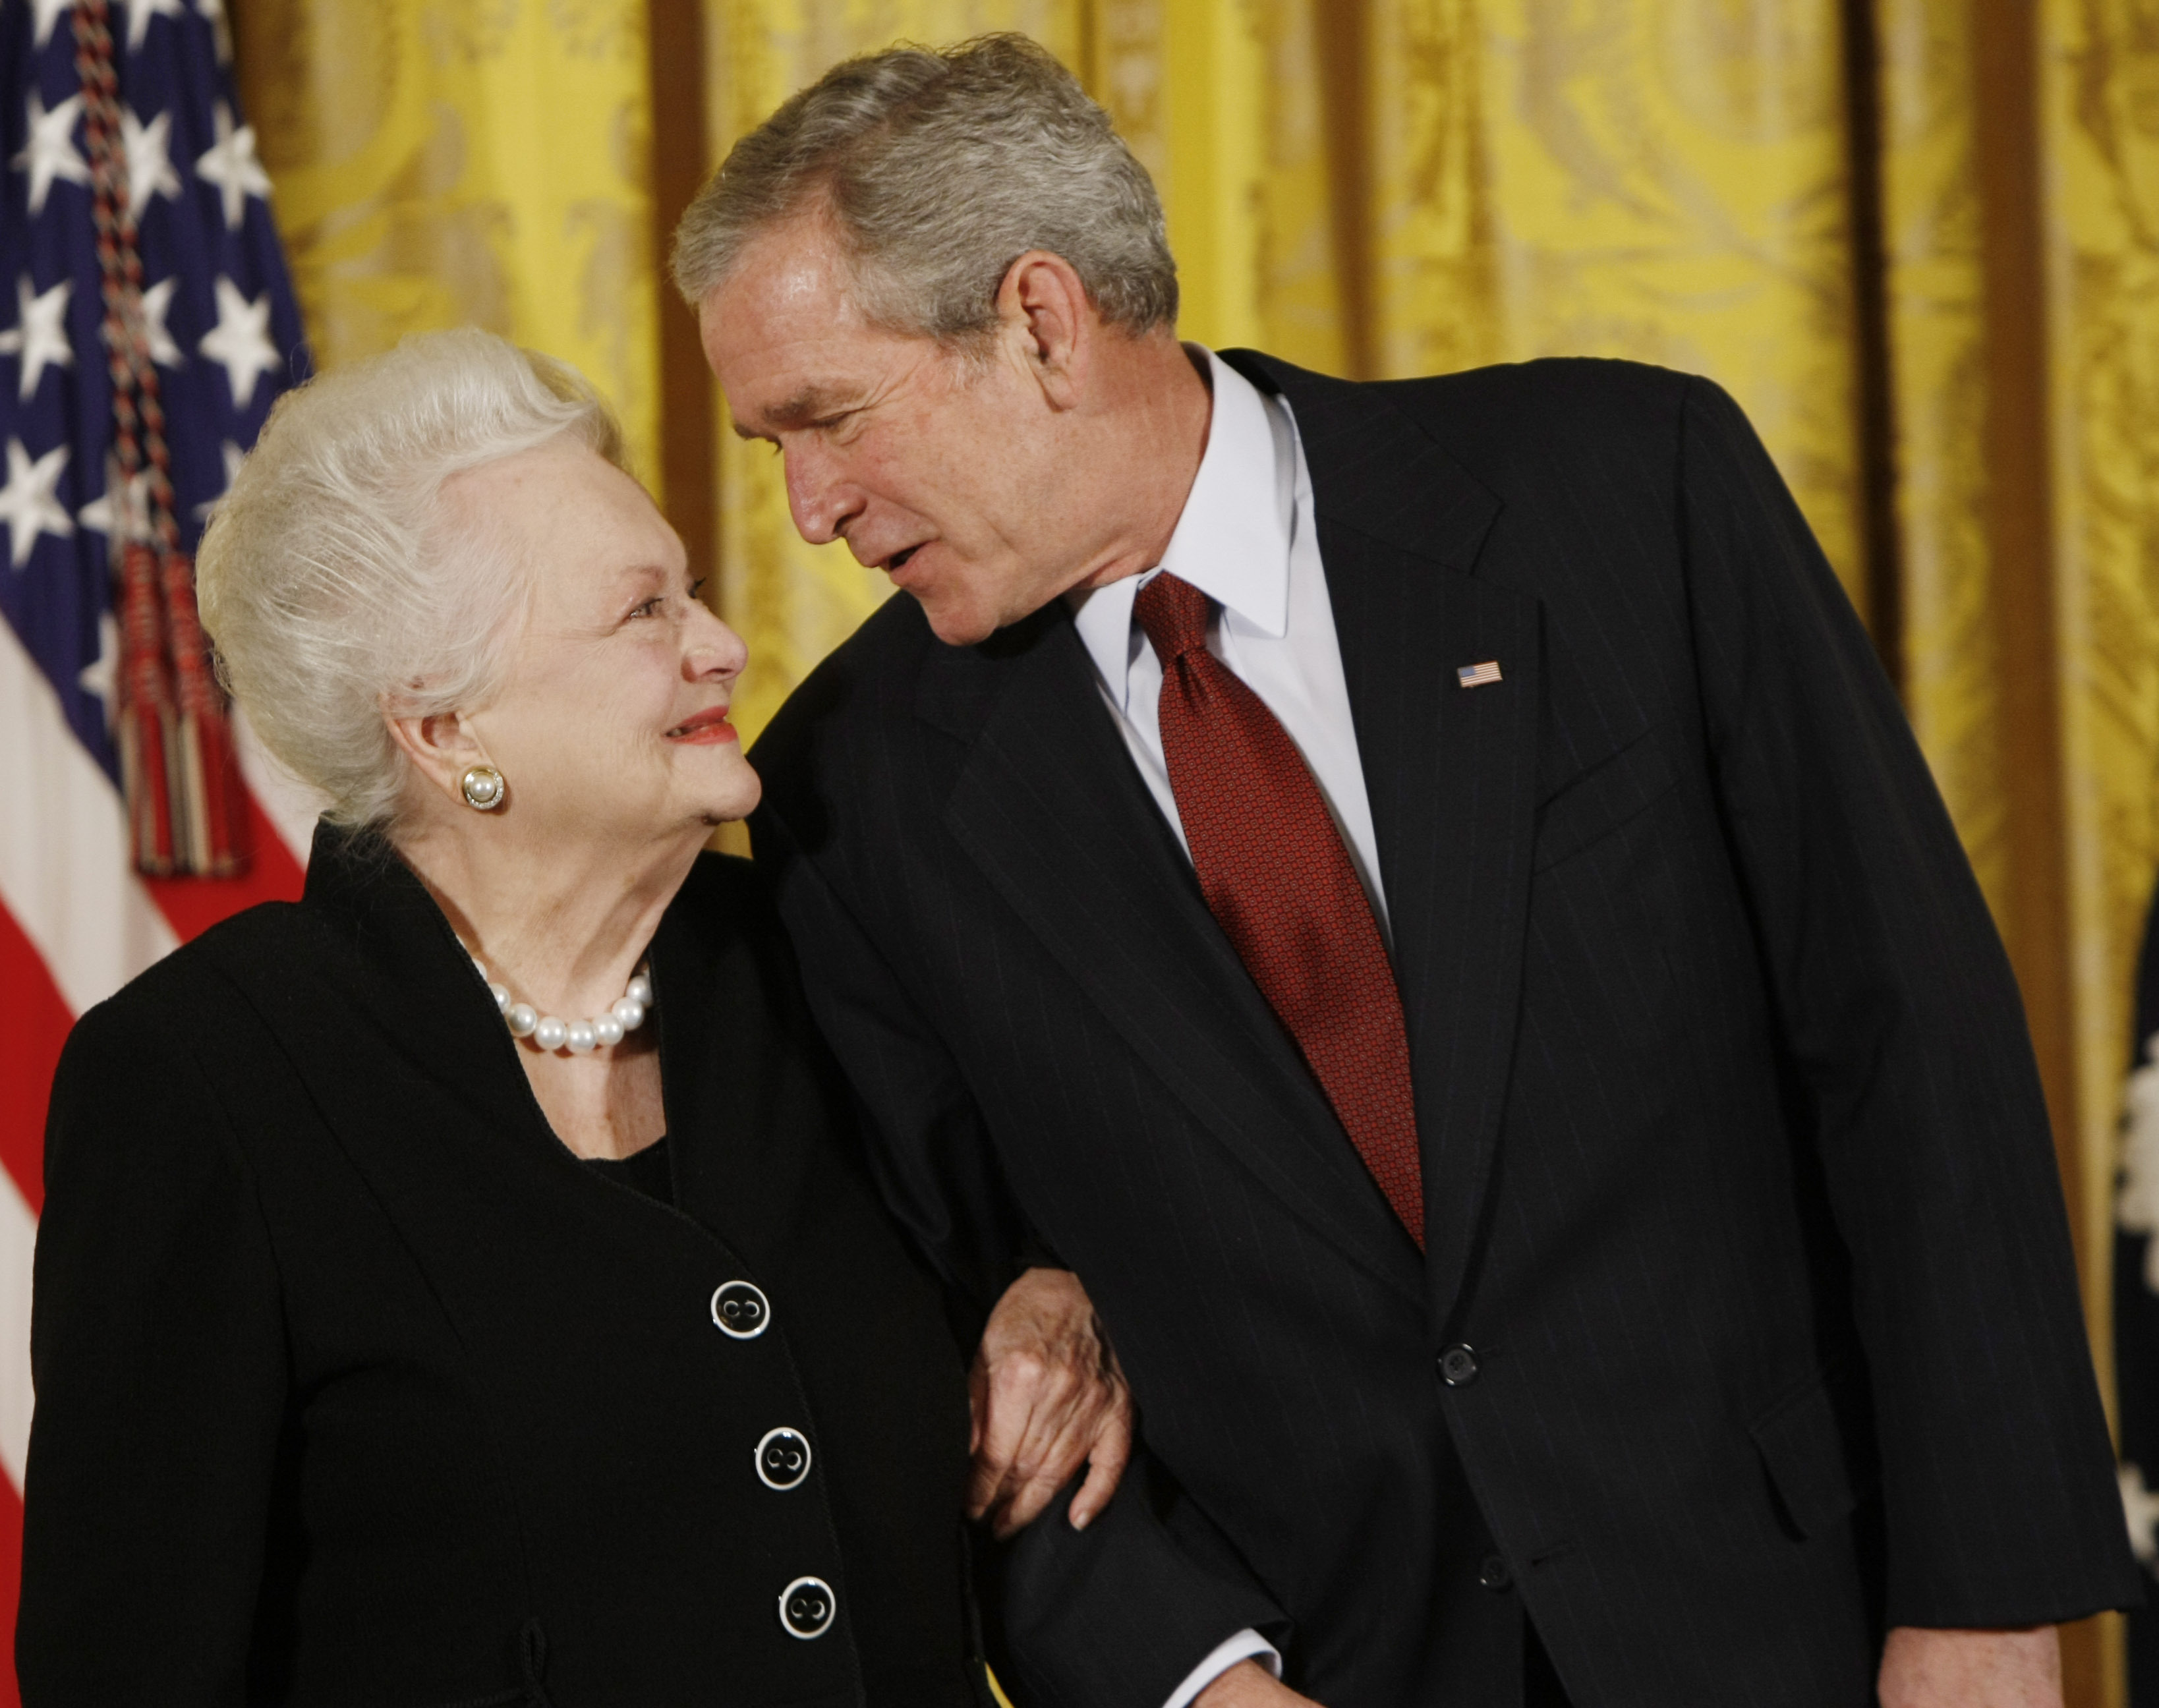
(1738,1178)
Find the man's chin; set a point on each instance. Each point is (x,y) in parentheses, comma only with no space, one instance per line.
(955,624)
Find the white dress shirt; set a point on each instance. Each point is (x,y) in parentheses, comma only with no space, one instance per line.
(1246,539)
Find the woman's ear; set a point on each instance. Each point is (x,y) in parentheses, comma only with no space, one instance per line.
(442,748)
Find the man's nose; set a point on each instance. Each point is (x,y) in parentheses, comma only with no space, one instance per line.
(820,497)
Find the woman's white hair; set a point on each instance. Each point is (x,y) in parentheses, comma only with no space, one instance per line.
(340,583)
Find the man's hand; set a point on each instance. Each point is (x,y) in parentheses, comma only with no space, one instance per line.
(1048,1397)
(1248,1684)
(1971,1669)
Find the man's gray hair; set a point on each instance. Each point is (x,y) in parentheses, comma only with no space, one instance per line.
(938,170)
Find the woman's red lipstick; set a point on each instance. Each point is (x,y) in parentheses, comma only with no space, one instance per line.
(706,729)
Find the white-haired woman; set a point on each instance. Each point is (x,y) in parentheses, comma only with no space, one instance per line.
(458,1287)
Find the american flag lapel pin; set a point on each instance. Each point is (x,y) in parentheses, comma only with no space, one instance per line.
(1476,676)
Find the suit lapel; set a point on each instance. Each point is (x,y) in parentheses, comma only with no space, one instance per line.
(1050,808)
(1451,771)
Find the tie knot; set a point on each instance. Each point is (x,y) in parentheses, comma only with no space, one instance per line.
(1174,614)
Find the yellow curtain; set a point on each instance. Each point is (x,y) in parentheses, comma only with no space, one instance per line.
(1937,338)
(1663,183)
(447,162)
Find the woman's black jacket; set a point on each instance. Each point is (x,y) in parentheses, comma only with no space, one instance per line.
(355,1386)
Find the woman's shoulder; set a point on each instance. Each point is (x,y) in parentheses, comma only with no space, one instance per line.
(148,1077)
(212,993)
(208,971)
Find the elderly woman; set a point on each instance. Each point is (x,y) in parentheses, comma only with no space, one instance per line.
(460,1287)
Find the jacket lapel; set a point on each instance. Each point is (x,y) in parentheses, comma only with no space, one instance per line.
(1049,807)
(1451,771)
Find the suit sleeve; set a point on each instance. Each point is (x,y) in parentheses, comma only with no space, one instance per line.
(1123,1611)
(156,1348)
(1904,1024)
(929,1152)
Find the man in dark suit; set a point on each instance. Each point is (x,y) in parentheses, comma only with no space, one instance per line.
(1421,895)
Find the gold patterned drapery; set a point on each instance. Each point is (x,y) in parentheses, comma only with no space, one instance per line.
(1917,239)
(445,163)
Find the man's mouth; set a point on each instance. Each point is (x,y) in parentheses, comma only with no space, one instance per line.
(704,729)
(898,559)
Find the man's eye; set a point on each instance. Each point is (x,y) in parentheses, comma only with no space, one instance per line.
(651,607)
(697,587)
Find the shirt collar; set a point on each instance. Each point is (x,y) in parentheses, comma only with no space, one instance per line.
(1232,541)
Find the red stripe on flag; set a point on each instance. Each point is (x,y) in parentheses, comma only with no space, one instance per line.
(192,905)
(11,1588)
(34,1024)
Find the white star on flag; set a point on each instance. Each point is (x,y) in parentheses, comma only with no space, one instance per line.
(156,305)
(240,340)
(234,457)
(214,10)
(49,12)
(40,335)
(232,165)
(27,503)
(148,148)
(49,152)
(141,12)
(130,516)
(2140,1506)
(101,675)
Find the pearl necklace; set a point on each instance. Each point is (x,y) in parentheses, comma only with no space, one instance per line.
(578,1037)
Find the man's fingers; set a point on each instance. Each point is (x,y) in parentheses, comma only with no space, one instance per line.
(1001,1431)
(1111,1453)
(1035,1479)
(983,1482)
(1026,1503)
(1027,1400)
(1105,1469)
(1045,1398)
(978,1404)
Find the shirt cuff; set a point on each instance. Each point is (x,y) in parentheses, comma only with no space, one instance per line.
(1245,1645)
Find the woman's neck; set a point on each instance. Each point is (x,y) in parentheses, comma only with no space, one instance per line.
(563,928)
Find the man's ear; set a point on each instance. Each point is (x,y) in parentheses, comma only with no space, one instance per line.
(1044,314)
(442,748)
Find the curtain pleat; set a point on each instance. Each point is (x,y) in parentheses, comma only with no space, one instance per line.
(481,163)
(1665,183)
(1937,340)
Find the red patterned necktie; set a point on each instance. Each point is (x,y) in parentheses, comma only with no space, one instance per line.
(1278,879)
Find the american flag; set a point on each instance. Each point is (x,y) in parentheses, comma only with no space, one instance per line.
(1479,675)
(212,312)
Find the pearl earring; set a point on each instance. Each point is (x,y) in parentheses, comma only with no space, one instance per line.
(482,786)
